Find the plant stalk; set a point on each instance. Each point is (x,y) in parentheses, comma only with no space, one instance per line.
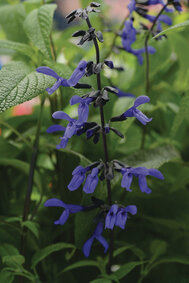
(104,145)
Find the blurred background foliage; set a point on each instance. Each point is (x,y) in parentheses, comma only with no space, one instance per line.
(155,245)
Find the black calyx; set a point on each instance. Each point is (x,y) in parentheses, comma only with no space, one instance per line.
(93,68)
(83,13)
(82,86)
(118,118)
(118,133)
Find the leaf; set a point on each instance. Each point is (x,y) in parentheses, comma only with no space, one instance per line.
(173,28)
(20,83)
(82,263)
(181,115)
(13,261)
(126,268)
(41,254)
(8,250)
(158,247)
(38,25)
(6,276)
(23,166)
(101,280)
(153,158)
(33,227)
(11,20)
(22,48)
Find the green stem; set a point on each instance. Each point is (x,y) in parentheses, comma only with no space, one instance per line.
(16,132)
(31,178)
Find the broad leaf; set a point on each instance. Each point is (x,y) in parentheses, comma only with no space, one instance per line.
(33,227)
(22,48)
(153,158)
(11,20)
(38,25)
(126,268)
(19,83)
(6,276)
(41,254)
(13,260)
(158,247)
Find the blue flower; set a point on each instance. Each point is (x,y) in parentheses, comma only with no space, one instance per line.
(91,181)
(111,217)
(78,73)
(69,208)
(134,112)
(78,177)
(129,37)
(122,215)
(140,173)
(121,93)
(98,236)
(83,109)
(71,129)
(118,216)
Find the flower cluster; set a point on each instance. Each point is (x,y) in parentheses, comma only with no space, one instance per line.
(113,214)
(128,34)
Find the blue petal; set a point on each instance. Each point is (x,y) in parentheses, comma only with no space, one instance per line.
(91,183)
(79,169)
(103,241)
(99,229)
(87,246)
(63,218)
(76,182)
(132,209)
(83,112)
(55,128)
(75,208)
(127,181)
(61,115)
(54,87)
(63,143)
(143,185)
(75,99)
(141,117)
(48,71)
(166,19)
(70,130)
(156,173)
(55,202)
(141,100)
(78,73)
(121,219)
(123,94)
(131,6)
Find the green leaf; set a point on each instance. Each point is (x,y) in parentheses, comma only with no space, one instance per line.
(33,227)
(153,158)
(181,115)
(41,254)
(158,247)
(23,166)
(11,20)
(101,280)
(180,26)
(6,276)
(13,260)
(20,83)
(8,250)
(38,25)
(22,48)
(82,263)
(126,268)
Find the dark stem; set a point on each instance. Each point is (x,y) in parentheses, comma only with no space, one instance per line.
(27,202)
(146,48)
(104,145)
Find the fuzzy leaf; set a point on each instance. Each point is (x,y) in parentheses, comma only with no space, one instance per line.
(22,48)
(19,83)
(38,25)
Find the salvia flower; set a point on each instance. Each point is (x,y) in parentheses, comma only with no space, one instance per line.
(83,109)
(129,37)
(140,173)
(69,208)
(98,236)
(71,129)
(78,177)
(134,112)
(91,181)
(121,93)
(78,73)
(117,216)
